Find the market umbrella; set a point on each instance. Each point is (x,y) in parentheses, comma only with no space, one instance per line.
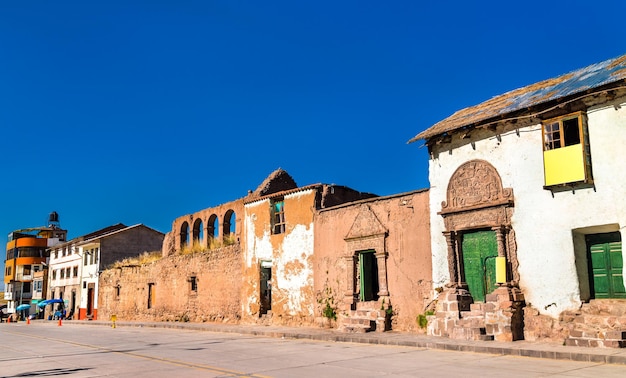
(43,304)
(22,307)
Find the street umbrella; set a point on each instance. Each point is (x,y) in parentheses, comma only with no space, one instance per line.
(22,307)
(43,304)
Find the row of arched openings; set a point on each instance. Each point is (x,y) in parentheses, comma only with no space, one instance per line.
(196,232)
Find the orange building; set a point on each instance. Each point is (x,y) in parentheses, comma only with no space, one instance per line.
(25,255)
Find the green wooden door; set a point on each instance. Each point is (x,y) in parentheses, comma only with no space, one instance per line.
(368,269)
(480,250)
(605,251)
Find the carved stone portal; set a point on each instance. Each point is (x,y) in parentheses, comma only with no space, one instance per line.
(475,199)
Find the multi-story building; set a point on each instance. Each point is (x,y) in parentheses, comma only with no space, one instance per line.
(99,250)
(26,257)
(65,269)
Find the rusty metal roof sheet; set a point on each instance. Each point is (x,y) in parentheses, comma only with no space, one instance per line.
(593,76)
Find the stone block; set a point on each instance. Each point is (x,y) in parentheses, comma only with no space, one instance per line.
(615,335)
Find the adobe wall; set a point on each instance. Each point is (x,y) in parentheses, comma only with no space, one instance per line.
(291,257)
(405,217)
(217,298)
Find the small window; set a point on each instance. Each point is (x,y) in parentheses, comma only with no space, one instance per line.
(566,152)
(62,273)
(193,284)
(67,272)
(150,295)
(278,216)
(75,271)
(117,291)
(54,274)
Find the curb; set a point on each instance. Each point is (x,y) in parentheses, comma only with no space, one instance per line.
(517,348)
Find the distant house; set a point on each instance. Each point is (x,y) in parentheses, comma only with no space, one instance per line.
(101,249)
(528,212)
(65,271)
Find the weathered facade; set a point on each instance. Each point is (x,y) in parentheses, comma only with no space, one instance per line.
(278,248)
(528,213)
(373,263)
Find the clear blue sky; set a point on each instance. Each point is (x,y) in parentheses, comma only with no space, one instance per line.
(143,111)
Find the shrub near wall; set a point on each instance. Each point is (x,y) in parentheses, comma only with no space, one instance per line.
(218,280)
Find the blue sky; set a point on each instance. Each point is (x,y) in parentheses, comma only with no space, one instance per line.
(143,111)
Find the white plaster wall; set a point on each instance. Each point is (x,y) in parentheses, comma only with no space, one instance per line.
(292,271)
(543,223)
(297,249)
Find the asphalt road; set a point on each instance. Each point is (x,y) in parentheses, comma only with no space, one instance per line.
(44,349)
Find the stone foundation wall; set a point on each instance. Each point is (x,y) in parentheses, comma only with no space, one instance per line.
(218,277)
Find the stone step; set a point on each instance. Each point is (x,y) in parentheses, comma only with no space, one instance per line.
(355,328)
(470,333)
(359,321)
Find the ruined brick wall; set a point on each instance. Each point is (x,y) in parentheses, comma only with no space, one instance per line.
(407,242)
(173,241)
(217,298)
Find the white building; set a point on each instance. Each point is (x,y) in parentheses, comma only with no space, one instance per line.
(533,180)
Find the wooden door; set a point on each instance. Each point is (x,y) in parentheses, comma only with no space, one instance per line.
(480,250)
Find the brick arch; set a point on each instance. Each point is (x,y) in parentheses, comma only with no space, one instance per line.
(228,223)
(198,231)
(184,234)
(212,227)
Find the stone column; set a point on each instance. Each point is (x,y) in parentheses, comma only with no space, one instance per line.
(381,259)
(349,292)
(452,257)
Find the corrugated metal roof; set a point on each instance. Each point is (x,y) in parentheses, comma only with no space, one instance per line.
(593,76)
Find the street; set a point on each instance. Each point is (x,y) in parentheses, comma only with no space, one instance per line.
(44,349)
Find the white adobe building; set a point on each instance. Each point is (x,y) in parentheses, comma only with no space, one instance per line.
(528,211)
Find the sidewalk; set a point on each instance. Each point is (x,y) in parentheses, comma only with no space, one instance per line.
(516,348)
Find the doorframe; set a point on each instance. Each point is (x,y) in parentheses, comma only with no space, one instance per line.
(476,199)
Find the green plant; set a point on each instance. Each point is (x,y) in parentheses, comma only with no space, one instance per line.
(422,319)
(329,309)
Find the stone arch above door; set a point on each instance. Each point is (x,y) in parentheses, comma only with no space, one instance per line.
(476,199)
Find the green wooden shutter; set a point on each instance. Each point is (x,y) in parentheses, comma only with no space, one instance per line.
(607,266)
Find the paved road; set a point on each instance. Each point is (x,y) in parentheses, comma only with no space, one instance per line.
(43,349)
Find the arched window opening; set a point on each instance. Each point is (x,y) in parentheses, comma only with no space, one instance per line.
(198,231)
(212,230)
(184,235)
(228,228)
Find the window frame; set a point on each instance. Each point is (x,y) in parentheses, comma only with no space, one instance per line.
(553,144)
(278,222)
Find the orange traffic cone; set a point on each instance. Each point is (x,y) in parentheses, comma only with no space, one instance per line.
(9,319)
(28,320)
(60,324)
